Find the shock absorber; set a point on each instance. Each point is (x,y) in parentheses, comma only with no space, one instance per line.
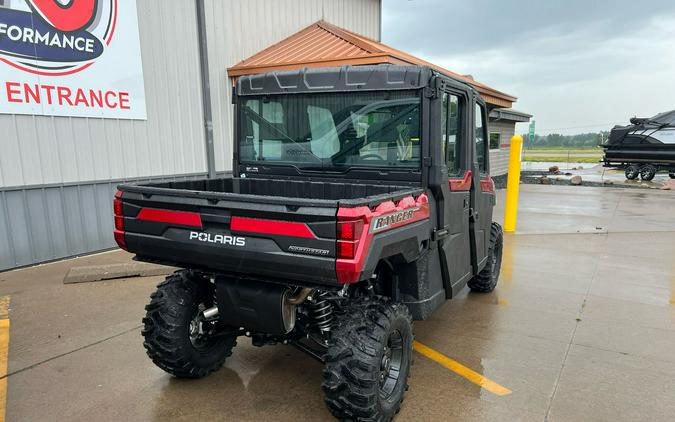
(321,312)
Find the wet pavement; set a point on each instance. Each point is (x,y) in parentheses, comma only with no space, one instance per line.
(596,174)
(580,327)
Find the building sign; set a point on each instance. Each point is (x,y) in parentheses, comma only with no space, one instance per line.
(77,58)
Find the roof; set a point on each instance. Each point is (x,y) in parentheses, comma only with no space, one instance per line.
(324,45)
(509,114)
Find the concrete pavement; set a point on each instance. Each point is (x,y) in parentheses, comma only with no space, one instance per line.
(580,327)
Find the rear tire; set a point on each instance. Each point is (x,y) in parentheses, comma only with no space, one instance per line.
(647,172)
(632,172)
(173,340)
(486,280)
(368,360)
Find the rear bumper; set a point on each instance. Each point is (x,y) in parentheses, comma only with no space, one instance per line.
(295,269)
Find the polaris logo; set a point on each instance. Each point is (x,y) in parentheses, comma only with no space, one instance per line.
(385,221)
(222,239)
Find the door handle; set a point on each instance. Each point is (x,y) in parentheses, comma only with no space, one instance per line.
(473,214)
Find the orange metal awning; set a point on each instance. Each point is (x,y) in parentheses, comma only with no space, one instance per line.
(324,45)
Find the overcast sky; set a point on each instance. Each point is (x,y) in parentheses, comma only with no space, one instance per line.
(576,65)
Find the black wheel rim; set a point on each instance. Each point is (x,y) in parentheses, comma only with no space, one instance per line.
(496,260)
(201,331)
(391,364)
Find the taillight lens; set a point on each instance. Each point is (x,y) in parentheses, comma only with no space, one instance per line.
(119,238)
(118,209)
(346,249)
(350,230)
(348,234)
(117,206)
(119,222)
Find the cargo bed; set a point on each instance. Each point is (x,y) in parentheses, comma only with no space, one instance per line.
(273,228)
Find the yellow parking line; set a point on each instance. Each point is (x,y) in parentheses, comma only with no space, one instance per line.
(461,370)
(4,350)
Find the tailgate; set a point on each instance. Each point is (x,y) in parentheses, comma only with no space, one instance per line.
(252,235)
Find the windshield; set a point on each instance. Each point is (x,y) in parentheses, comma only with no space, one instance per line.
(332,130)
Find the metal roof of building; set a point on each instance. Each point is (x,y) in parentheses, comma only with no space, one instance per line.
(324,45)
(509,114)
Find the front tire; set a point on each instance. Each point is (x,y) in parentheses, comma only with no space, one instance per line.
(368,361)
(486,280)
(176,339)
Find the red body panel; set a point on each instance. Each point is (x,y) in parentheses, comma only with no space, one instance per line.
(463,184)
(349,270)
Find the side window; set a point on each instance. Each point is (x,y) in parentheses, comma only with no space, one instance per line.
(454,113)
(480,139)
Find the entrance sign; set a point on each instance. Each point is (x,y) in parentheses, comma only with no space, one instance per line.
(79,58)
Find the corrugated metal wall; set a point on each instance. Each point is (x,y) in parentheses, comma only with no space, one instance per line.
(39,150)
(499,158)
(50,222)
(57,175)
(239,29)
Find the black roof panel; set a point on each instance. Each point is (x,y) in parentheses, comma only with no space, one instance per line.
(345,78)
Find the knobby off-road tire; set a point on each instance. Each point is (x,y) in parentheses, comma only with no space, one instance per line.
(368,361)
(177,301)
(486,280)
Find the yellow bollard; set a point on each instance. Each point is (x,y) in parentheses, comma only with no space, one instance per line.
(512,185)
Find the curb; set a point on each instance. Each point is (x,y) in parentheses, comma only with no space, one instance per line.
(111,271)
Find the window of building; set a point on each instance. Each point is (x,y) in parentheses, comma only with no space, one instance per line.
(495,140)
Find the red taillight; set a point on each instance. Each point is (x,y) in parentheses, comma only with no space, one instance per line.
(346,249)
(119,238)
(349,230)
(119,222)
(348,234)
(118,209)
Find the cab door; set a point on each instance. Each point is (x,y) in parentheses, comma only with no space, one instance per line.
(482,190)
(456,146)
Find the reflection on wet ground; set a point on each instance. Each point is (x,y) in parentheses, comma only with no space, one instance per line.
(581,327)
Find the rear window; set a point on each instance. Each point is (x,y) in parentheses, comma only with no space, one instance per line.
(332,130)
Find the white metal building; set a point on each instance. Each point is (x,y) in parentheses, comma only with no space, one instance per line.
(57,174)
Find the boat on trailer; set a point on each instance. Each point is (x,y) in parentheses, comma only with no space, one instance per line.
(644,147)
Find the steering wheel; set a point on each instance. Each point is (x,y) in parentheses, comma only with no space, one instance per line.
(369,156)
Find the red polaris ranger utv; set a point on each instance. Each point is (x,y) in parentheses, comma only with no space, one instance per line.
(360,200)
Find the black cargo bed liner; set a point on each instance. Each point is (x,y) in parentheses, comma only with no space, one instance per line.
(277,191)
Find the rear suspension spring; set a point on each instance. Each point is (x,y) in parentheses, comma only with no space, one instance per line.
(321,312)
